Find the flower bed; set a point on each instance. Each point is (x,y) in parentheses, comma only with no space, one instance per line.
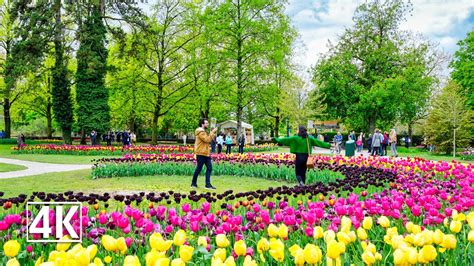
(424,215)
(119,150)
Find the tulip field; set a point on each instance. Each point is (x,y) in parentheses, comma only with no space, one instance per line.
(354,211)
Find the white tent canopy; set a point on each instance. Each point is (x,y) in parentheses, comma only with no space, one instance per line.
(230,126)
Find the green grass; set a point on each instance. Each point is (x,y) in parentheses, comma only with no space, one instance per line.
(416,152)
(4,167)
(81,181)
(5,152)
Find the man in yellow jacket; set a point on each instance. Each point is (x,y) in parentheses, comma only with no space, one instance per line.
(203,154)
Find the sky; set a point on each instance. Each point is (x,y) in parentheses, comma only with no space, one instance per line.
(319,21)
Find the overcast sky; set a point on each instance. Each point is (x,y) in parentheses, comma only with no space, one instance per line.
(317,21)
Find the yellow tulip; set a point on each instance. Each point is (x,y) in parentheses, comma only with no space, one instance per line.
(416,229)
(383,221)
(202,241)
(121,245)
(346,224)
(98,262)
(371,248)
(220,253)
(299,257)
(179,238)
(368,258)
(108,259)
(11,248)
(367,223)
(39,261)
(177,262)
(157,242)
(272,230)
(455,226)
(293,249)
(318,232)
(162,262)
(418,240)
(249,262)
(409,227)
(470,236)
(13,262)
(263,245)
(277,249)
(186,253)
(470,220)
(222,241)
(283,231)
(438,237)
(378,256)
(399,257)
(446,222)
(82,257)
(109,243)
(333,249)
(152,256)
(312,254)
(216,262)
(229,261)
(131,261)
(329,235)
(398,241)
(240,248)
(449,241)
(343,237)
(361,233)
(412,255)
(427,254)
(352,235)
(92,250)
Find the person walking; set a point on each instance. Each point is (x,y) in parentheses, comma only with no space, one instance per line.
(384,144)
(213,145)
(125,138)
(109,138)
(220,142)
(20,141)
(133,139)
(228,143)
(93,138)
(359,142)
(393,142)
(338,141)
(407,141)
(369,143)
(203,156)
(241,143)
(376,142)
(301,145)
(352,136)
(184,139)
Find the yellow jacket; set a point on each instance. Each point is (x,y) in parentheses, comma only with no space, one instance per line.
(201,145)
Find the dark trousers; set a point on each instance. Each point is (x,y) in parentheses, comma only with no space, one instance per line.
(384,149)
(229,146)
(219,148)
(241,148)
(376,150)
(213,148)
(300,167)
(201,161)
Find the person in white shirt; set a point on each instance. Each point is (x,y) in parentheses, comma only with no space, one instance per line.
(220,142)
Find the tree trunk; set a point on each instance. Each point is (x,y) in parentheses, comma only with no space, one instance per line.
(371,125)
(6,117)
(49,119)
(410,130)
(83,137)
(277,125)
(67,135)
(154,128)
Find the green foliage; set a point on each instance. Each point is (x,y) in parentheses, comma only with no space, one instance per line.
(450,122)
(273,172)
(463,67)
(365,77)
(93,111)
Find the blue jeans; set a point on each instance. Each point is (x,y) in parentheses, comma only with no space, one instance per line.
(201,161)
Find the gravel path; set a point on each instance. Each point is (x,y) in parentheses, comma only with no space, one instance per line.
(35,168)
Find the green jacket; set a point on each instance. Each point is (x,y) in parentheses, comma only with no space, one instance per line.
(299,145)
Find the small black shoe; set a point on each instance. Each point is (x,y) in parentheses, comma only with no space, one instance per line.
(210,188)
(194,186)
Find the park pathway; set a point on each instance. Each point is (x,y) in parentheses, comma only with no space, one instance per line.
(35,168)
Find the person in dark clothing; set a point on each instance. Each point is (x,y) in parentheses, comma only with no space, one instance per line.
(241,143)
(384,144)
(125,138)
(213,145)
(93,138)
(119,136)
(201,150)
(299,146)
(108,138)
(369,143)
(407,141)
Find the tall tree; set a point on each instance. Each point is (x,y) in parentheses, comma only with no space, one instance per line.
(244,30)
(25,33)
(450,122)
(61,90)
(165,43)
(360,75)
(463,67)
(93,112)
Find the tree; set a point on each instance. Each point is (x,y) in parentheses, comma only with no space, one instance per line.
(361,75)
(244,31)
(450,122)
(93,112)
(61,90)
(25,33)
(463,67)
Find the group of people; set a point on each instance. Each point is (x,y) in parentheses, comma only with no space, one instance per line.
(301,145)
(127,138)
(376,144)
(220,140)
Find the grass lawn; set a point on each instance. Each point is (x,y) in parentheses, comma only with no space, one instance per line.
(416,152)
(81,181)
(5,167)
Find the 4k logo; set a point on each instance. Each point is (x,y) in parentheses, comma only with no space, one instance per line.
(62,221)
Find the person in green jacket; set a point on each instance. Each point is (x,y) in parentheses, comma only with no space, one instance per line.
(299,146)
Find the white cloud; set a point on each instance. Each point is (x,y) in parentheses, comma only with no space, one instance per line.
(318,21)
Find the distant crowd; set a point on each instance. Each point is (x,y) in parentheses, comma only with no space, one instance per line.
(126,138)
